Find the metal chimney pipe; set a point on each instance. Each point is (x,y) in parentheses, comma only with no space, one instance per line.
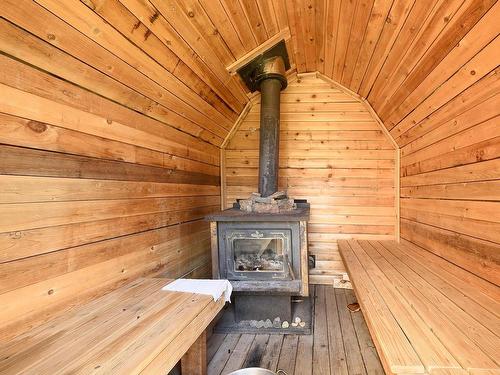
(271,80)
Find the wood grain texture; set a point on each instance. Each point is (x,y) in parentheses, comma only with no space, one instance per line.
(195,360)
(127,331)
(98,93)
(344,166)
(450,327)
(430,72)
(318,353)
(110,155)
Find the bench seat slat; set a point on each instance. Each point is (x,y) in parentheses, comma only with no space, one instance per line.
(450,325)
(115,335)
(485,372)
(482,291)
(400,357)
(428,347)
(479,324)
(147,341)
(448,371)
(29,352)
(443,323)
(177,347)
(119,333)
(71,319)
(449,287)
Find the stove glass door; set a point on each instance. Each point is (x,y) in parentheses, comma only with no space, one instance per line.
(259,254)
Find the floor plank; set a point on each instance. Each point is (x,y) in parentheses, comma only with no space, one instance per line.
(304,355)
(239,354)
(256,351)
(368,351)
(288,354)
(321,360)
(216,365)
(353,353)
(338,362)
(272,354)
(213,344)
(340,344)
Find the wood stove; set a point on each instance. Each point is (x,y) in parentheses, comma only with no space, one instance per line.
(260,244)
(264,256)
(260,252)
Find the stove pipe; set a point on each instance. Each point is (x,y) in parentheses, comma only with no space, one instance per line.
(270,80)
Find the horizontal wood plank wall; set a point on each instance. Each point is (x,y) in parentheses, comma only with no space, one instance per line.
(110,110)
(429,69)
(110,130)
(332,153)
(450,177)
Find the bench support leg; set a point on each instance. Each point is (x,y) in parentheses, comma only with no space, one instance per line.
(194,362)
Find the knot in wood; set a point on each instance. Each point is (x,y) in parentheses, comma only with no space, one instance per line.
(154,17)
(15,235)
(37,127)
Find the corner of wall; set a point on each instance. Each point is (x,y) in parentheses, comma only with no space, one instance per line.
(223,146)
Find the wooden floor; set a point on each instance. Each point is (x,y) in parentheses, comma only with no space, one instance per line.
(340,344)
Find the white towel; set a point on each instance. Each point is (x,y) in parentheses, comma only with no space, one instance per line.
(213,288)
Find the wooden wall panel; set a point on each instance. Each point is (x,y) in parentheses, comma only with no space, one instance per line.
(430,72)
(116,103)
(332,153)
(445,117)
(109,154)
(449,177)
(121,223)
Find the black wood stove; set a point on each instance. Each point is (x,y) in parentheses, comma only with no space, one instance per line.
(262,252)
(260,244)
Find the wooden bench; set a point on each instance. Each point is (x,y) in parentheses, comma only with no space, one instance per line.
(136,329)
(426,315)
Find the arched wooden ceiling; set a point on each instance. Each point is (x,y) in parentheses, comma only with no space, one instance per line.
(406,57)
